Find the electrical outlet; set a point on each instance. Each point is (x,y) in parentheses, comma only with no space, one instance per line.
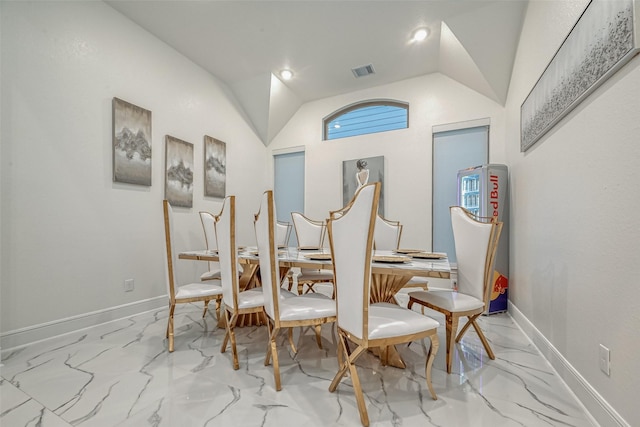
(128,285)
(605,362)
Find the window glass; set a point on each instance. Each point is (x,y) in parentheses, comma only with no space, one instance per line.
(366,117)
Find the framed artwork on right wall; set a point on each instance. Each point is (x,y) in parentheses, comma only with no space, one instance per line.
(598,45)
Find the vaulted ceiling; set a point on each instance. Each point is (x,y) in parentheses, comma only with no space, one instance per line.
(246,44)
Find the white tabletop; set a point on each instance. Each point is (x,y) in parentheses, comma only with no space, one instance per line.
(294,257)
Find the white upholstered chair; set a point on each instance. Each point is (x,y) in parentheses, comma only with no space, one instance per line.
(208,226)
(301,310)
(192,292)
(365,324)
(386,235)
(283,233)
(235,303)
(476,241)
(310,234)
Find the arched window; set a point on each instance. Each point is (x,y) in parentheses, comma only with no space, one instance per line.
(366,117)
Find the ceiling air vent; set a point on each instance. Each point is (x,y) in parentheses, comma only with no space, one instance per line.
(365,70)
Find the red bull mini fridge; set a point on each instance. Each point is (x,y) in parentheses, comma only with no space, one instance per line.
(483,191)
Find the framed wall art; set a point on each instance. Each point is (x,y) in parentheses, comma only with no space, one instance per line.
(358,172)
(178,183)
(215,167)
(131,143)
(598,45)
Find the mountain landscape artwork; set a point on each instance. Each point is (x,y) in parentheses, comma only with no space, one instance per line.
(215,167)
(178,184)
(131,143)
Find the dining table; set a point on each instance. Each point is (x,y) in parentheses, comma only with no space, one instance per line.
(390,272)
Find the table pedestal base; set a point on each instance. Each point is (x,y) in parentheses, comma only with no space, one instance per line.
(383,289)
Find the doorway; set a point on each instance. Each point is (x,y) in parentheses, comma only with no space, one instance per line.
(453,150)
(288,187)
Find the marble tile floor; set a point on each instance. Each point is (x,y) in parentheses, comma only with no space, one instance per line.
(120,374)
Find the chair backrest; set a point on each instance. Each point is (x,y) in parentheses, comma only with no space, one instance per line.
(309,232)
(227,251)
(283,232)
(209,227)
(387,234)
(351,240)
(171,254)
(476,241)
(265,227)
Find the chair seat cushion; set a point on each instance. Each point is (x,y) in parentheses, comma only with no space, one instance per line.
(196,290)
(284,293)
(448,300)
(250,298)
(210,275)
(308,306)
(315,275)
(390,320)
(254,297)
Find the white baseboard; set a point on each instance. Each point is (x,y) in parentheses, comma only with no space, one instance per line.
(31,334)
(598,408)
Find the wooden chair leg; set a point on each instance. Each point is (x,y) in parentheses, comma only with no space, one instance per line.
(452,328)
(290,279)
(267,357)
(274,355)
(485,343)
(230,336)
(172,309)
(225,340)
(465,327)
(291,343)
(344,354)
(318,329)
(300,288)
(430,358)
(357,388)
(218,301)
(206,304)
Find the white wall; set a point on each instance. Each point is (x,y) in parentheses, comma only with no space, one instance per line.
(574,236)
(433,100)
(70,236)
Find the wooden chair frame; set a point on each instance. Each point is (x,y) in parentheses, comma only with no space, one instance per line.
(276,324)
(346,357)
(231,311)
(452,318)
(390,223)
(317,223)
(211,242)
(287,236)
(173,301)
(302,281)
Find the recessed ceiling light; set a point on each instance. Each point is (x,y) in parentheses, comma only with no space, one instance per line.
(286,74)
(420,34)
